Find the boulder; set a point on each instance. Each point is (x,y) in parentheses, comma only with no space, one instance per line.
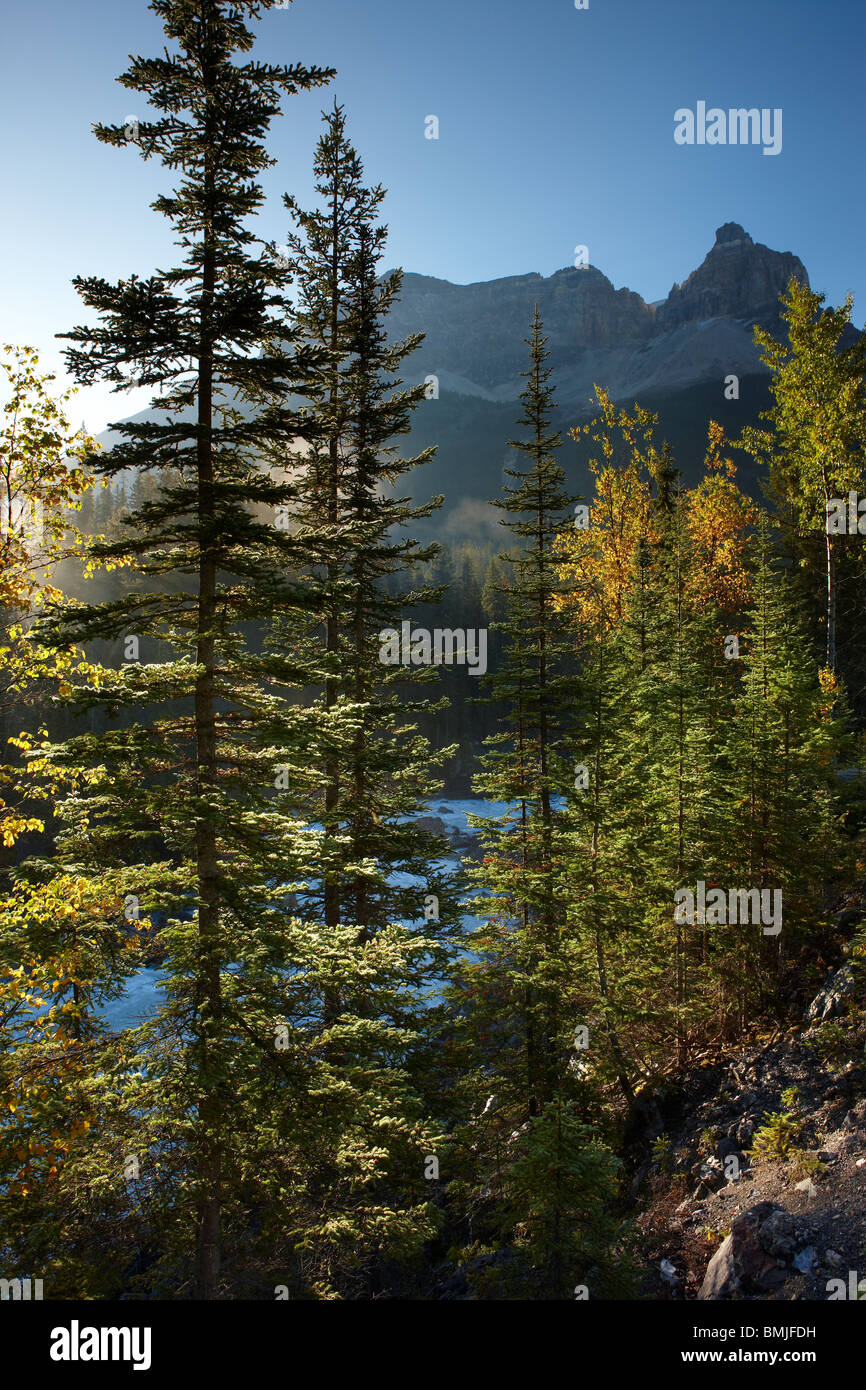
(777,1235)
(434,825)
(744,1133)
(711,1174)
(747,1260)
(805,1259)
(644,1121)
(831,999)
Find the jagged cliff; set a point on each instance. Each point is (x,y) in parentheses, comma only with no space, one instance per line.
(474,333)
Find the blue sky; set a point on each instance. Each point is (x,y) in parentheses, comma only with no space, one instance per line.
(556,129)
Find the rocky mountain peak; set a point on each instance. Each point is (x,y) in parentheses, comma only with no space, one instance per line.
(739,279)
(475,333)
(732,234)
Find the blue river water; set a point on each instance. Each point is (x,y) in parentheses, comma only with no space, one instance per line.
(144,994)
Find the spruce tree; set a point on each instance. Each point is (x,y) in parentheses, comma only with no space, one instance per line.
(814,443)
(353,409)
(184,800)
(385,906)
(550,1174)
(527,762)
(783,745)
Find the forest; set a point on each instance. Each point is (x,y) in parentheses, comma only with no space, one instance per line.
(379,1062)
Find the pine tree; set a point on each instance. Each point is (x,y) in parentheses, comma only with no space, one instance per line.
(543,1166)
(527,762)
(815,439)
(384,908)
(785,740)
(184,802)
(612,602)
(354,408)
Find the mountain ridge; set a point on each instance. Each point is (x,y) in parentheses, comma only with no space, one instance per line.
(672,355)
(474,333)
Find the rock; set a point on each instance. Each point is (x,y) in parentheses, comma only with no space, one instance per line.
(712,1173)
(737,273)
(831,999)
(742,1264)
(804,1259)
(644,1121)
(668,1272)
(745,1133)
(454,1288)
(433,825)
(833,1259)
(461,839)
(777,1235)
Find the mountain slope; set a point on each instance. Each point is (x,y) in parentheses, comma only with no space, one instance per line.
(672,356)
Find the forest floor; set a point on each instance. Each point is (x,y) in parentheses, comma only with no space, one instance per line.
(704,1172)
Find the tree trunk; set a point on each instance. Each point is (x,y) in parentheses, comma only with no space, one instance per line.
(332,894)
(209,998)
(831,605)
(601,966)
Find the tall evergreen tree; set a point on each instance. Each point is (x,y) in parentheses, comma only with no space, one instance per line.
(814,442)
(554,1179)
(527,763)
(783,746)
(386,903)
(187,797)
(354,408)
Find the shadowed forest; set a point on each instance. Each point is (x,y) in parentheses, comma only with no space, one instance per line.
(388,1062)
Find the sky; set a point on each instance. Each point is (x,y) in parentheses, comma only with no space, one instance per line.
(555,130)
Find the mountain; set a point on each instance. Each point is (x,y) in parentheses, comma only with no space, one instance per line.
(702,331)
(672,356)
